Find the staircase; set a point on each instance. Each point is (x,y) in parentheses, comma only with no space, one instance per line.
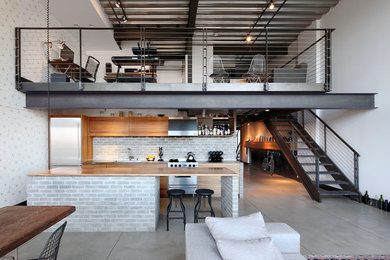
(312,151)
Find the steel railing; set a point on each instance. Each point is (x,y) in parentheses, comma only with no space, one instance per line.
(336,148)
(279,59)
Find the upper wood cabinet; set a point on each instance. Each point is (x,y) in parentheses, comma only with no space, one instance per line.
(148,126)
(108,126)
(128,126)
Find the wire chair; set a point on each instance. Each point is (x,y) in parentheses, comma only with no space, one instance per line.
(92,67)
(50,250)
(219,74)
(256,69)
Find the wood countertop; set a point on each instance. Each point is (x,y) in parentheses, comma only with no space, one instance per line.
(137,171)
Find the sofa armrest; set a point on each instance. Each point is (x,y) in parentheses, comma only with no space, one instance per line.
(285,237)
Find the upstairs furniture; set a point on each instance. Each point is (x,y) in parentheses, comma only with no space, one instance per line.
(297,74)
(255,73)
(122,61)
(74,71)
(50,250)
(19,224)
(176,194)
(219,74)
(201,245)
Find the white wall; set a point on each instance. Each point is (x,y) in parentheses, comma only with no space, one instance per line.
(23,133)
(360,53)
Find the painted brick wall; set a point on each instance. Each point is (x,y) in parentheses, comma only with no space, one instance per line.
(229,192)
(108,148)
(103,204)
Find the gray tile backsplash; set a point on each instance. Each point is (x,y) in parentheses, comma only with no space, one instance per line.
(116,148)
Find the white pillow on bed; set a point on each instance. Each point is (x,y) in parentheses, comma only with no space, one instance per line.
(242,228)
(258,249)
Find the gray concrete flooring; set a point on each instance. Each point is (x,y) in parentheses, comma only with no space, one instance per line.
(335,226)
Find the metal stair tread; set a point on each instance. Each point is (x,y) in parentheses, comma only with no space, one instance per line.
(332,182)
(309,156)
(324,172)
(337,193)
(322,164)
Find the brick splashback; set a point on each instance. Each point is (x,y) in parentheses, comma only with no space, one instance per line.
(114,148)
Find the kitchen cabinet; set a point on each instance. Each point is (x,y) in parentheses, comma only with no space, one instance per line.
(148,126)
(128,126)
(109,126)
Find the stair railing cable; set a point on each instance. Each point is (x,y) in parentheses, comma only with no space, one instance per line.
(338,150)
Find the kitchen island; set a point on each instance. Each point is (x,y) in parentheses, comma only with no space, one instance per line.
(124,199)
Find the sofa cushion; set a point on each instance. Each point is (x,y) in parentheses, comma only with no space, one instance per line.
(258,249)
(241,228)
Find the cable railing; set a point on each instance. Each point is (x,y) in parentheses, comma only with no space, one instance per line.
(214,59)
(336,148)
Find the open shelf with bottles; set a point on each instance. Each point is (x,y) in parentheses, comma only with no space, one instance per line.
(216,126)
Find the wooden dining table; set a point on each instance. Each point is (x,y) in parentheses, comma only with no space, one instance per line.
(19,224)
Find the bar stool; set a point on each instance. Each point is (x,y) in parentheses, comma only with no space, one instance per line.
(177,194)
(203,193)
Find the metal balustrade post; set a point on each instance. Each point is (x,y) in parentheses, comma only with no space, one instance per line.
(356,170)
(204,60)
(328,60)
(317,173)
(266,86)
(81,58)
(325,146)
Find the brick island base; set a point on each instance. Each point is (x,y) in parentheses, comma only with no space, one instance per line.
(113,203)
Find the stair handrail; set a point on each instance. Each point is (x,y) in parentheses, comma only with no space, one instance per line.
(334,132)
(316,153)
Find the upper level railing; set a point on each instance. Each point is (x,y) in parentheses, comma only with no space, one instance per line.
(216,59)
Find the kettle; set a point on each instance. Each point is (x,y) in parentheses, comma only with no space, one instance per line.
(190,157)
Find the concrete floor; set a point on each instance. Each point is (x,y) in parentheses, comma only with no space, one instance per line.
(335,226)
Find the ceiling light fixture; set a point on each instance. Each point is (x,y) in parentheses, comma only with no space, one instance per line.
(267,110)
(118,4)
(124,19)
(271,5)
(248,38)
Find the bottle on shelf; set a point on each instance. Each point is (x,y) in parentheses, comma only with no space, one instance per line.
(228,129)
(386,205)
(199,130)
(381,202)
(214,130)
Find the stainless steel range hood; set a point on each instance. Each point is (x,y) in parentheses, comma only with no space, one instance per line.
(182,126)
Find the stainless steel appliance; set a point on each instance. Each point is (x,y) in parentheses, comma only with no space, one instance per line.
(178,126)
(65,141)
(187,183)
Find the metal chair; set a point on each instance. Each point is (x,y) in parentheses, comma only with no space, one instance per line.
(50,250)
(91,67)
(219,74)
(256,69)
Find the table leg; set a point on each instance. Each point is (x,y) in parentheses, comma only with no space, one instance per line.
(117,72)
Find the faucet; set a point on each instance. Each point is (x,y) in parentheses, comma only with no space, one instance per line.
(130,156)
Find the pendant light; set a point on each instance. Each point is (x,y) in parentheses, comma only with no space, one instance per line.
(271,5)
(248,38)
(118,4)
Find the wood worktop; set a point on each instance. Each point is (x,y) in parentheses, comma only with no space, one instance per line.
(137,171)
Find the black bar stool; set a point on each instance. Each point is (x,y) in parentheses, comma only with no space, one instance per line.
(176,194)
(203,193)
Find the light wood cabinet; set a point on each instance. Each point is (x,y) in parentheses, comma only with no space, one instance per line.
(128,126)
(148,126)
(107,126)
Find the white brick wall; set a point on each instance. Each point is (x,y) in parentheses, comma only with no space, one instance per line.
(103,204)
(229,196)
(113,148)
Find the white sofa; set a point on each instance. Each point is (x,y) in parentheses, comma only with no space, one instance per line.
(200,245)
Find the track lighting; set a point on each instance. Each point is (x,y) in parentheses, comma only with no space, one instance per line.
(124,18)
(271,5)
(248,38)
(118,4)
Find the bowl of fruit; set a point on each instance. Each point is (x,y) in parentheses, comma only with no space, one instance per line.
(150,158)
